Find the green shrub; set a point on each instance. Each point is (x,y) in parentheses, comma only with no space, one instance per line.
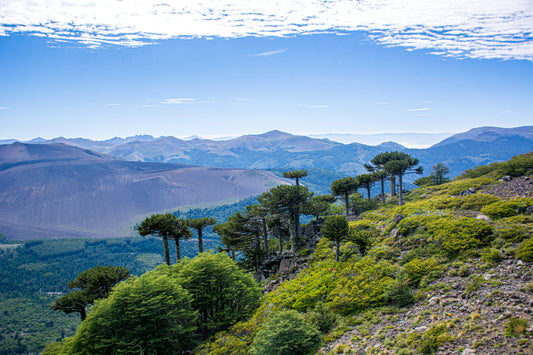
(416,269)
(477,201)
(501,209)
(459,234)
(491,256)
(515,327)
(286,332)
(321,317)
(361,285)
(433,338)
(398,293)
(525,250)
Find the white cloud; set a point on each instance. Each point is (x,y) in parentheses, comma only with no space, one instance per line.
(318,106)
(185,100)
(417,109)
(266,54)
(3,107)
(455,28)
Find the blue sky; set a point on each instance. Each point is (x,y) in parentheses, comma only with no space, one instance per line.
(99,69)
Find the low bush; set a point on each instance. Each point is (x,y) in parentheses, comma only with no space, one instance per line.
(416,269)
(491,256)
(286,332)
(501,209)
(515,327)
(525,250)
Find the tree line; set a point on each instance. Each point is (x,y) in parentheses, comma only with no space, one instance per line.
(273,224)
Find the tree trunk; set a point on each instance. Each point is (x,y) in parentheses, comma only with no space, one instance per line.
(232,253)
(200,241)
(393,185)
(178,256)
(83,313)
(401,190)
(337,250)
(166,250)
(265,235)
(346,202)
(368,192)
(382,190)
(292,232)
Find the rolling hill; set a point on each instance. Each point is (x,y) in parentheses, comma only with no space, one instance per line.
(58,191)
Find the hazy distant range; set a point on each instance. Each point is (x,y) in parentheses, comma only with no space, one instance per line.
(409,140)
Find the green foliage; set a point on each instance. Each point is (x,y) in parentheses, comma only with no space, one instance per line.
(501,209)
(399,293)
(361,285)
(491,256)
(335,228)
(286,333)
(517,166)
(91,285)
(221,292)
(167,226)
(362,233)
(477,201)
(321,317)
(433,338)
(310,286)
(515,327)
(150,314)
(452,234)
(416,269)
(525,250)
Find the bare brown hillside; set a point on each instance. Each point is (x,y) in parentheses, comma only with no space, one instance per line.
(57,191)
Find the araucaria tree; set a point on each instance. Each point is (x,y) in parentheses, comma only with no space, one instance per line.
(181,231)
(335,228)
(366,181)
(92,284)
(165,226)
(438,175)
(199,224)
(296,175)
(287,200)
(401,165)
(345,187)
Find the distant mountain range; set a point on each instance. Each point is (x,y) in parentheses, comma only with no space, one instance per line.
(279,150)
(58,191)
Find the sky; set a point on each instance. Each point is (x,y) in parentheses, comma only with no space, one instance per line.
(104,68)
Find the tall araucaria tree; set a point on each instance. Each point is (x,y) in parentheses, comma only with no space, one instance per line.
(92,284)
(366,181)
(181,231)
(296,175)
(345,187)
(199,224)
(335,228)
(401,165)
(167,226)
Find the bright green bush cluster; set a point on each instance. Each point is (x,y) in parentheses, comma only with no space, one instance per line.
(491,256)
(416,269)
(477,201)
(525,250)
(361,285)
(509,208)
(286,332)
(456,235)
(517,166)
(452,234)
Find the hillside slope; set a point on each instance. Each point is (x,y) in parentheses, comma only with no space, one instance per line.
(58,191)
